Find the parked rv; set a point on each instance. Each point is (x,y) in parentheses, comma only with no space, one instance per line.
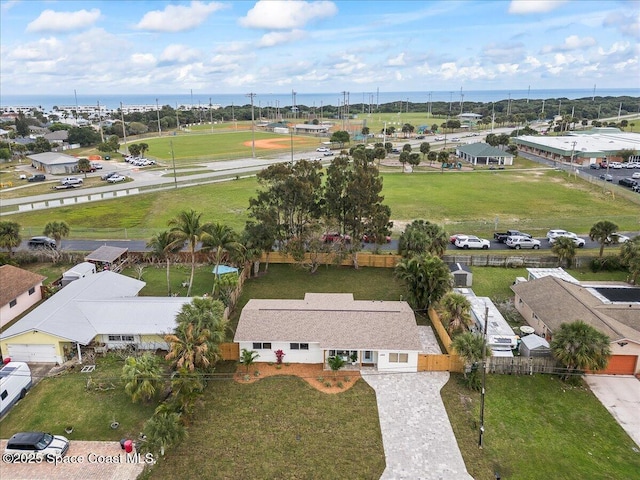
(15,382)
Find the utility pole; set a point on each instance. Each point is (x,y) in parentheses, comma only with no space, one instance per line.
(177,119)
(253,129)
(100,122)
(173,159)
(158,111)
(210,115)
(294,109)
(484,375)
(124,130)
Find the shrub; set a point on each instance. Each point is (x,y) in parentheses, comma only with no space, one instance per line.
(320,379)
(279,356)
(347,379)
(278,367)
(340,385)
(247,378)
(287,364)
(609,263)
(327,384)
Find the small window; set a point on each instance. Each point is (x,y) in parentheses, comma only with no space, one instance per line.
(304,346)
(262,345)
(404,358)
(13,303)
(398,358)
(257,345)
(32,290)
(393,357)
(114,338)
(3,395)
(294,346)
(332,353)
(127,338)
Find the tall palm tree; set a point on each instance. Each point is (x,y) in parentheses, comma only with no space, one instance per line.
(187,227)
(189,348)
(142,377)
(186,386)
(163,245)
(630,257)
(221,239)
(10,237)
(565,249)
(56,230)
(579,346)
(469,346)
(601,232)
(455,310)
(427,279)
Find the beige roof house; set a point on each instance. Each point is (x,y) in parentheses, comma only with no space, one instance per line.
(19,290)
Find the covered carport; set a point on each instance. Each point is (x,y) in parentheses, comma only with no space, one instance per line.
(483,154)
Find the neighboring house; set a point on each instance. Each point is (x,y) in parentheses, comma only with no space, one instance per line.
(483,154)
(100,309)
(310,128)
(19,290)
(382,334)
(54,162)
(59,136)
(609,307)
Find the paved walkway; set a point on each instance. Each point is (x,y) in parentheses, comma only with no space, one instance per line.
(417,436)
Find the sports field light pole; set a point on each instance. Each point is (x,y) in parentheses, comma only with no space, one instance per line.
(484,375)
(291,131)
(124,130)
(158,111)
(253,127)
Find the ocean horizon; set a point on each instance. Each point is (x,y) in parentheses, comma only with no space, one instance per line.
(317,100)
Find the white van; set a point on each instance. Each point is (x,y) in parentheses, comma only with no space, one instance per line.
(15,382)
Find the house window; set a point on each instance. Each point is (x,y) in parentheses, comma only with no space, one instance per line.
(121,338)
(114,338)
(127,338)
(13,303)
(262,345)
(299,346)
(398,358)
(32,290)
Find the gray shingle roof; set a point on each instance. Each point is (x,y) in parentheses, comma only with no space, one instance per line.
(333,320)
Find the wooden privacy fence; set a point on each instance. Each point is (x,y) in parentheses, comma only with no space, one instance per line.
(522,365)
(440,330)
(364,259)
(440,363)
(230,351)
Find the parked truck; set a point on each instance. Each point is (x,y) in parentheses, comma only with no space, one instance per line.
(502,236)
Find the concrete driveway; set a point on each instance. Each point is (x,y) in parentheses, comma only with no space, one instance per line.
(416,433)
(621,396)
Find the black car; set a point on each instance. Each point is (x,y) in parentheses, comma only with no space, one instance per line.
(42,242)
(107,176)
(38,177)
(627,182)
(606,177)
(594,166)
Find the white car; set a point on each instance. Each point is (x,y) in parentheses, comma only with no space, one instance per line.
(71,181)
(630,165)
(439,138)
(635,175)
(556,233)
(615,165)
(455,139)
(576,239)
(116,179)
(472,242)
(618,238)
(519,242)
(322,149)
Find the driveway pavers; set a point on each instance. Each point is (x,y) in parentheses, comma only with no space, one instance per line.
(621,396)
(416,433)
(95,461)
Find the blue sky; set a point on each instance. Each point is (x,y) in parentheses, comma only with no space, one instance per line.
(49,47)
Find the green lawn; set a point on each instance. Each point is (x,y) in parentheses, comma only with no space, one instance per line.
(539,427)
(58,402)
(279,427)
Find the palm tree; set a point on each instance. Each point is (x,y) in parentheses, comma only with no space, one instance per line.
(469,346)
(579,346)
(186,386)
(163,245)
(427,279)
(601,232)
(10,237)
(187,228)
(336,363)
(443,156)
(455,309)
(189,348)
(630,257)
(565,249)
(56,230)
(142,377)
(432,157)
(248,357)
(221,239)
(163,430)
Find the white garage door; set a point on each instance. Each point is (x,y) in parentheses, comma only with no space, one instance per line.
(32,353)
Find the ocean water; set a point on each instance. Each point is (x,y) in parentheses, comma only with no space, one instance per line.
(111,101)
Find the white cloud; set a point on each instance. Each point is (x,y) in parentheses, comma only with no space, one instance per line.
(525,7)
(178,18)
(43,49)
(142,60)
(533,61)
(627,24)
(278,14)
(6,6)
(241,80)
(177,53)
(572,42)
(272,39)
(499,53)
(617,47)
(348,65)
(50,21)
(396,61)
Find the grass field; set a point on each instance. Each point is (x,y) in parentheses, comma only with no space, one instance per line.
(538,427)
(463,202)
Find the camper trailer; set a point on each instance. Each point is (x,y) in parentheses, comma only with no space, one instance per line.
(15,381)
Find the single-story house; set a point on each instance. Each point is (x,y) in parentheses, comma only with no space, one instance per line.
(19,290)
(610,307)
(101,309)
(534,346)
(107,257)
(310,128)
(59,136)
(54,162)
(483,154)
(462,276)
(380,334)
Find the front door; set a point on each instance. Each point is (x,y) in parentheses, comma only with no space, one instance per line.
(367,356)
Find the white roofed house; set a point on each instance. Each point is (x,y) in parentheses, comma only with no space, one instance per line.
(381,334)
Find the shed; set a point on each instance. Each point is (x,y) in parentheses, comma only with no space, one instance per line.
(534,346)
(108,258)
(462,276)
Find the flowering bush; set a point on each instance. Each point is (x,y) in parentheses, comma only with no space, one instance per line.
(279,355)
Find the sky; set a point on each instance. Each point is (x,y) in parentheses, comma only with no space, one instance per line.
(271,46)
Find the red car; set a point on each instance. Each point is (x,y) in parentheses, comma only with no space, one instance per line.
(333,237)
(370,238)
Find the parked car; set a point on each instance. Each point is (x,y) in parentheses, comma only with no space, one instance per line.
(328,154)
(636,188)
(116,179)
(472,242)
(577,240)
(630,165)
(618,238)
(594,166)
(71,181)
(371,238)
(42,242)
(439,138)
(519,242)
(556,233)
(96,165)
(89,169)
(15,382)
(635,175)
(334,237)
(455,236)
(322,149)
(606,177)
(38,177)
(39,444)
(107,176)
(627,182)
(615,165)
(502,236)
(420,137)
